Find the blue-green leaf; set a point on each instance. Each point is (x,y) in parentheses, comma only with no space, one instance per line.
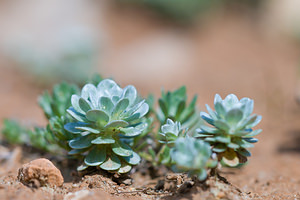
(103,140)
(72,127)
(81,142)
(84,105)
(106,104)
(96,156)
(124,169)
(97,116)
(120,107)
(117,124)
(121,149)
(129,93)
(130,131)
(233,116)
(76,115)
(134,159)
(112,163)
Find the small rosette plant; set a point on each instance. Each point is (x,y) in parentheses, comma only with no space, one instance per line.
(231,131)
(107,118)
(173,105)
(193,156)
(170,132)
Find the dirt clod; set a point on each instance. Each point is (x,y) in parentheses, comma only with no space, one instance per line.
(40,172)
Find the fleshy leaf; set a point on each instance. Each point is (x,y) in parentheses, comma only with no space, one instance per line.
(106,104)
(130,131)
(134,159)
(81,142)
(112,163)
(103,140)
(117,124)
(96,156)
(97,116)
(124,169)
(84,105)
(121,149)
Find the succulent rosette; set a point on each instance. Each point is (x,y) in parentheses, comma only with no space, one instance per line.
(170,132)
(193,156)
(230,131)
(106,117)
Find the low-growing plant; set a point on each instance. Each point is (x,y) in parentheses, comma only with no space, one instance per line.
(192,156)
(110,127)
(231,129)
(106,118)
(170,132)
(173,105)
(14,133)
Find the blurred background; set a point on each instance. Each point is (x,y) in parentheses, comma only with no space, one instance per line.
(247,47)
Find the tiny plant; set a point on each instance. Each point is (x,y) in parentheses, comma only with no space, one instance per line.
(106,118)
(231,129)
(170,132)
(193,156)
(173,105)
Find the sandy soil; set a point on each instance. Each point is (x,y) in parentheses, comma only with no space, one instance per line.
(229,55)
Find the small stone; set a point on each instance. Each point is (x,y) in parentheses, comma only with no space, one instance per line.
(40,172)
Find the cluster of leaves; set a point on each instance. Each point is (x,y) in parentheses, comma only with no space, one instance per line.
(106,117)
(53,138)
(110,127)
(173,114)
(231,129)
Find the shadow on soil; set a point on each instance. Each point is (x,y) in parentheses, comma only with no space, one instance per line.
(291,144)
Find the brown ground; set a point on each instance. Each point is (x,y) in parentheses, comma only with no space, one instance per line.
(229,55)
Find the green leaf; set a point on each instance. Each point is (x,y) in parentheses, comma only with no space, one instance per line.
(97,115)
(130,131)
(89,129)
(220,109)
(112,163)
(207,129)
(163,107)
(211,112)
(120,107)
(76,115)
(84,105)
(81,142)
(96,156)
(121,149)
(124,169)
(116,124)
(244,152)
(254,133)
(106,104)
(130,93)
(222,125)
(223,139)
(202,175)
(75,103)
(234,116)
(89,91)
(233,145)
(189,111)
(103,140)
(76,151)
(72,127)
(219,148)
(180,108)
(207,118)
(134,159)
